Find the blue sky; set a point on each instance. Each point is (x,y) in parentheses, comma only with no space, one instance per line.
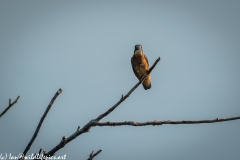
(85,48)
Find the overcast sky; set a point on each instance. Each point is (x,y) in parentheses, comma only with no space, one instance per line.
(85,47)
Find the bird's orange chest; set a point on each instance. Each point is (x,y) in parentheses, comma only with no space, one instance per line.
(140,64)
(139,60)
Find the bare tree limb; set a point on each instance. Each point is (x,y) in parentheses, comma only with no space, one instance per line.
(40,122)
(133,123)
(9,106)
(88,126)
(92,155)
(128,94)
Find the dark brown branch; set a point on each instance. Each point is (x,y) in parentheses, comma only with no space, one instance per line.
(9,106)
(133,123)
(88,126)
(41,121)
(92,155)
(128,94)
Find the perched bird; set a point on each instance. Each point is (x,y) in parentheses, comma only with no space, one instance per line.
(140,66)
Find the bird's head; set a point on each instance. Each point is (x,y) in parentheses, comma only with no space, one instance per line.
(138,47)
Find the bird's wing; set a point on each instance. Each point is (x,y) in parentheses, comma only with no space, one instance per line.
(133,66)
(146,58)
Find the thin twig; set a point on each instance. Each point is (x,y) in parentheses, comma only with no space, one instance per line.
(92,155)
(41,121)
(88,126)
(9,106)
(133,123)
(37,155)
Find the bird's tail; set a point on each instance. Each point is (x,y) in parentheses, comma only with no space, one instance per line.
(147,83)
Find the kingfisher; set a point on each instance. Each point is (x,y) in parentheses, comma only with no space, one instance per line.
(140,66)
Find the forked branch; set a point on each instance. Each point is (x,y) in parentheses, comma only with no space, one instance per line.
(10,104)
(88,126)
(92,155)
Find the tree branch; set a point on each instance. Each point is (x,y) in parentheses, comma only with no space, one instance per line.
(9,106)
(37,155)
(88,126)
(133,123)
(92,155)
(128,94)
(40,123)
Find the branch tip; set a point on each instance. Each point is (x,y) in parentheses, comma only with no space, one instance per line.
(40,151)
(17,98)
(92,154)
(60,91)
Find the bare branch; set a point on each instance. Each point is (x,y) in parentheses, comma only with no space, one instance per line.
(41,121)
(88,126)
(37,155)
(40,151)
(133,123)
(9,106)
(92,155)
(128,94)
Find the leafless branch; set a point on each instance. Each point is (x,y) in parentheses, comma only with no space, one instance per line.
(92,155)
(88,126)
(41,121)
(40,150)
(128,94)
(133,123)
(37,155)
(9,106)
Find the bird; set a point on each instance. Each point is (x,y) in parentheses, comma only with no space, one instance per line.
(140,66)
